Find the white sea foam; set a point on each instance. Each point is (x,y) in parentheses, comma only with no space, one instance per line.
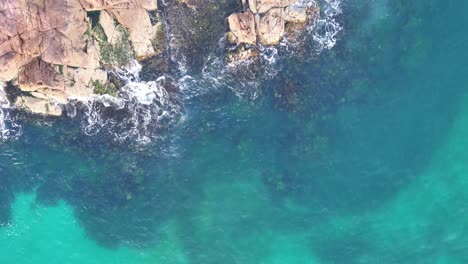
(9,129)
(143,112)
(140,112)
(327,28)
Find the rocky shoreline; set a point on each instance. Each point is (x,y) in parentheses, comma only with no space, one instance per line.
(57,50)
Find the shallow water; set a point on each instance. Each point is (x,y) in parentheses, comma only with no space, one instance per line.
(367,165)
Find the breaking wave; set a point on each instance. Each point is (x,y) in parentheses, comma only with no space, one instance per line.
(145,112)
(141,112)
(327,28)
(9,128)
(244,80)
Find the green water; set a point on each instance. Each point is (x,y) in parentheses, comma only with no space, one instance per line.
(370,169)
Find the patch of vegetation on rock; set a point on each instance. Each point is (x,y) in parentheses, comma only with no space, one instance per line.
(104,88)
(116,54)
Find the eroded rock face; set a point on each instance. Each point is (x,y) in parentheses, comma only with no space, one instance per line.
(49,47)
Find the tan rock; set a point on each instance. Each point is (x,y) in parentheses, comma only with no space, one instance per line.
(45,81)
(295,14)
(53,94)
(39,74)
(110,28)
(138,25)
(10,64)
(242,55)
(38,105)
(270,27)
(97,5)
(242,27)
(262,6)
(79,81)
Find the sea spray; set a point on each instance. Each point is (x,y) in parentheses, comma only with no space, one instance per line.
(327,28)
(141,112)
(9,128)
(144,112)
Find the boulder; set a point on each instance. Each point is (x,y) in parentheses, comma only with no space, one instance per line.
(295,14)
(273,21)
(242,26)
(270,27)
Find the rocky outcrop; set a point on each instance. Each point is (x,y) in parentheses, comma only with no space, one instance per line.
(51,49)
(270,27)
(263,6)
(242,26)
(38,105)
(266,22)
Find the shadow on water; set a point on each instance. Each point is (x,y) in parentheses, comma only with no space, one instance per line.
(120,197)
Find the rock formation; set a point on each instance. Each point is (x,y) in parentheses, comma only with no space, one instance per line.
(242,26)
(266,22)
(56,49)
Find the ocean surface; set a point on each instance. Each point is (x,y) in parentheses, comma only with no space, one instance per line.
(354,155)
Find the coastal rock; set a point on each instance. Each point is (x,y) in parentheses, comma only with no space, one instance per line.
(138,24)
(242,26)
(110,28)
(263,6)
(38,106)
(295,14)
(55,54)
(58,83)
(273,21)
(271,27)
(98,5)
(242,54)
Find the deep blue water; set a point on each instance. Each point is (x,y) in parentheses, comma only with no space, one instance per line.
(354,156)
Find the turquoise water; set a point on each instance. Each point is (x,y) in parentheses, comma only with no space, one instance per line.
(367,165)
